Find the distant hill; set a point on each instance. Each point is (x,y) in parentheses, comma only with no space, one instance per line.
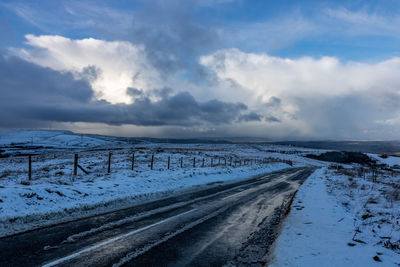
(58,139)
(389,147)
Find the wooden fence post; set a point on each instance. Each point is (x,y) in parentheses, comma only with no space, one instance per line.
(194,162)
(30,167)
(152,162)
(203,163)
(109,162)
(133,161)
(169,159)
(181,162)
(76,164)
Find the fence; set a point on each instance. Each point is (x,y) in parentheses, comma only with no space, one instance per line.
(98,163)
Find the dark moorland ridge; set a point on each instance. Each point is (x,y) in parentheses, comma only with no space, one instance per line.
(389,147)
(345,157)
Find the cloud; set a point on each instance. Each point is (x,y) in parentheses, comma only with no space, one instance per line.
(361,22)
(272,119)
(174,41)
(252,116)
(113,66)
(278,95)
(68,16)
(34,96)
(313,96)
(151,75)
(267,76)
(273,102)
(26,87)
(270,34)
(305,97)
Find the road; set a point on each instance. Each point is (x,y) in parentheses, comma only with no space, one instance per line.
(208,227)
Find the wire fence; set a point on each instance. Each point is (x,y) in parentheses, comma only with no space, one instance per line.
(102,162)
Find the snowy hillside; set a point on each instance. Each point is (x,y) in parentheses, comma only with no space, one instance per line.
(31,141)
(53,190)
(358,202)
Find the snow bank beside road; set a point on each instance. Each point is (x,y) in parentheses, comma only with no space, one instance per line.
(25,207)
(54,194)
(331,229)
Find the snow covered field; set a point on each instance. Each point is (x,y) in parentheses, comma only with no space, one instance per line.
(342,215)
(54,194)
(345,217)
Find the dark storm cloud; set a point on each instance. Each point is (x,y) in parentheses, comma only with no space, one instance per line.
(272,119)
(274,102)
(32,95)
(344,115)
(252,116)
(173,35)
(134,92)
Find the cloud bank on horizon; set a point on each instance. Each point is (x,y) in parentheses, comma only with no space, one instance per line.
(202,68)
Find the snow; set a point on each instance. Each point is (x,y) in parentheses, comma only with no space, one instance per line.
(42,198)
(390,160)
(341,216)
(55,195)
(53,140)
(326,227)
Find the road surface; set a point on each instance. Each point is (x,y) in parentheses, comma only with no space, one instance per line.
(214,226)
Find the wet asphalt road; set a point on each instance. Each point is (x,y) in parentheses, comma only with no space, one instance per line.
(199,228)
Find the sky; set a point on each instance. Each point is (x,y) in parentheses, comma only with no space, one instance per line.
(280,70)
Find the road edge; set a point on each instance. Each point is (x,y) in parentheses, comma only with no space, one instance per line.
(30,223)
(257,249)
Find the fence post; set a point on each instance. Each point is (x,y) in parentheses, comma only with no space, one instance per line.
(203,163)
(169,159)
(109,162)
(152,162)
(75,164)
(30,168)
(194,162)
(133,161)
(181,162)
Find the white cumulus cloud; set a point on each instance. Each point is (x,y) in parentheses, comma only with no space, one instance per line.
(302,97)
(120,64)
(317,96)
